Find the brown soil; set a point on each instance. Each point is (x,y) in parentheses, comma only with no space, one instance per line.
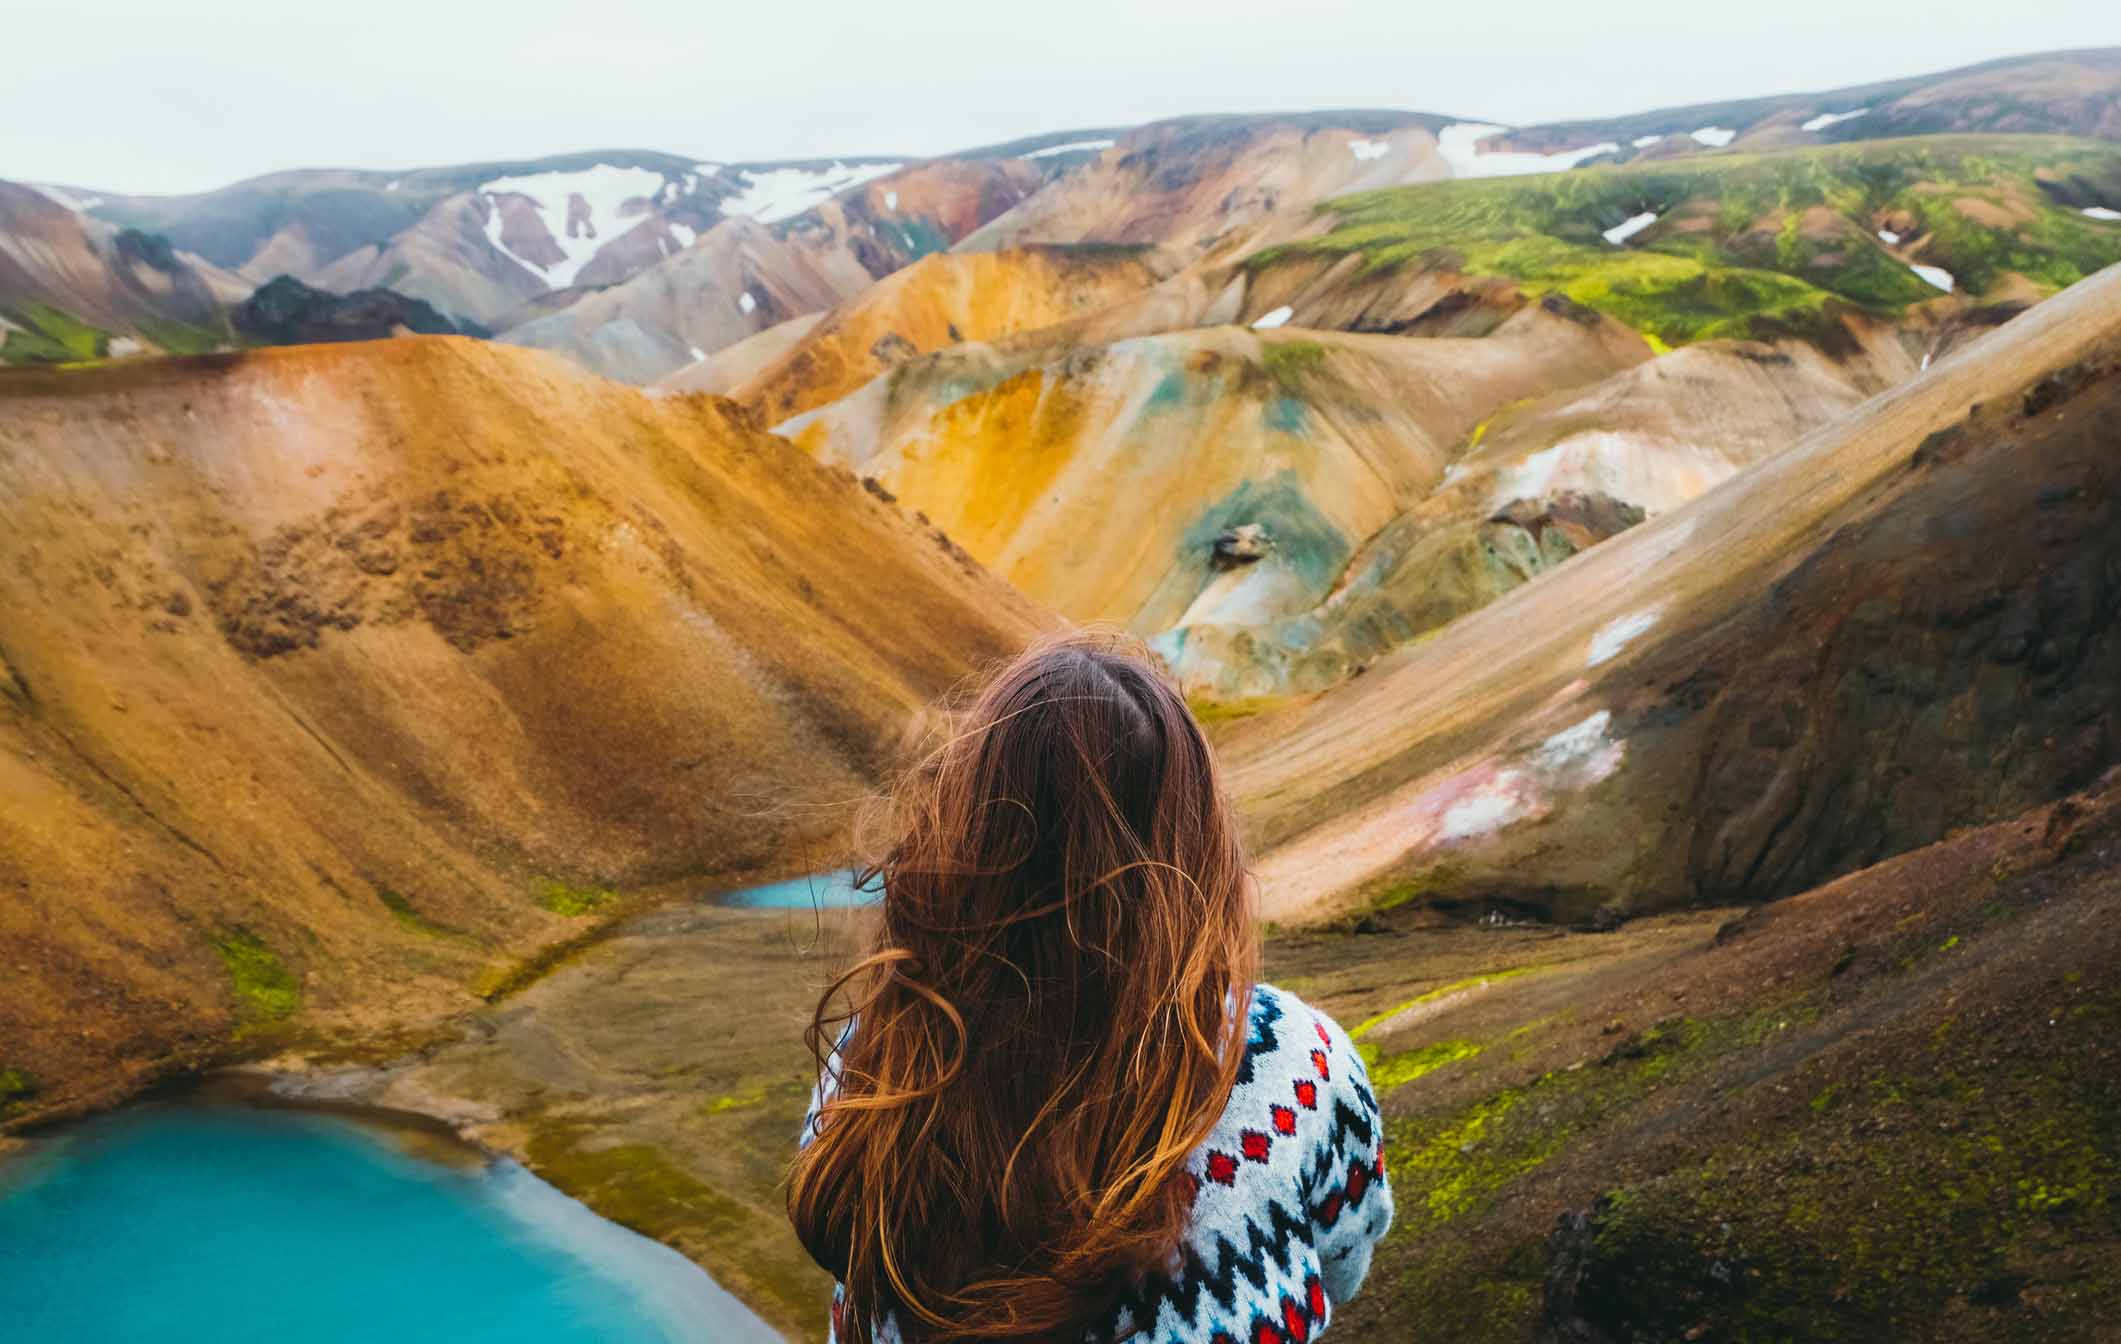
(336,680)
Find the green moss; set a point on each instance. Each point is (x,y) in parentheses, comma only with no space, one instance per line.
(402,910)
(738,1101)
(265,990)
(48,335)
(1875,1212)
(1370,1023)
(1746,266)
(183,338)
(1404,1066)
(566,898)
(17,1088)
(637,1185)
(1291,363)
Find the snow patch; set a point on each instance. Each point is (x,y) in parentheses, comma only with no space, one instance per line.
(1072,147)
(121,346)
(2101,212)
(1459,144)
(1274,319)
(1617,635)
(1573,745)
(746,303)
(684,233)
(784,193)
(394,184)
(1627,229)
(1368,149)
(1826,119)
(61,196)
(1489,808)
(705,170)
(1715,137)
(1936,275)
(1891,239)
(604,188)
(891,200)
(699,356)
(1645,141)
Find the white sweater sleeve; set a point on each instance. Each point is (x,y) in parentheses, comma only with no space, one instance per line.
(1350,1199)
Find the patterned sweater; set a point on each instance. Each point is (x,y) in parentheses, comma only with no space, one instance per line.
(1289,1196)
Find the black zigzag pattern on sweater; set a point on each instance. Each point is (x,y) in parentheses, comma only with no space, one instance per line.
(1273,1245)
(1266,1011)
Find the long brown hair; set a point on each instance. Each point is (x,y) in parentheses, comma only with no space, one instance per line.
(1042,1034)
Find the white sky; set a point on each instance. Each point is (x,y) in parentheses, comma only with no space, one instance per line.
(181,95)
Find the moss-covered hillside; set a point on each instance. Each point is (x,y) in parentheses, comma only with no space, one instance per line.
(1758,245)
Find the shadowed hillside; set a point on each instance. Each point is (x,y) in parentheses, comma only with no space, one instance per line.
(1904,623)
(337,679)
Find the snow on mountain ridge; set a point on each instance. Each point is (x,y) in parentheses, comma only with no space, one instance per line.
(783,193)
(605,192)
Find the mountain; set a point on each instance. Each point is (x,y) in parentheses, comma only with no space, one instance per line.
(1100,478)
(2052,93)
(1902,624)
(939,301)
(288,312)
(1796,284)
(744,276)
(338,680)
(74,288)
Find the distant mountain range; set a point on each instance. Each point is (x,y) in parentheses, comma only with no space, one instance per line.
(639,263)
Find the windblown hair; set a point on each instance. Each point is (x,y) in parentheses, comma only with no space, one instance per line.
(1044,1031)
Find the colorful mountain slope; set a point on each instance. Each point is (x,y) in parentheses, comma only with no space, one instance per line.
(1197,184)
(1902,624)
(1099,478)
(75,288)
(940,301)
(1888,1108)
(743,276)
(337,679)
(1756,247)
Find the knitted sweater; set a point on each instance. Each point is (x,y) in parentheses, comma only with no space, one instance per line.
(1289,1196)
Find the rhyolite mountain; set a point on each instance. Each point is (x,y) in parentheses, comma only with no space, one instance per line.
(533,248)
(1652,583)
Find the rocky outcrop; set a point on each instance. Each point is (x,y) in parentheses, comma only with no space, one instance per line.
(288,312)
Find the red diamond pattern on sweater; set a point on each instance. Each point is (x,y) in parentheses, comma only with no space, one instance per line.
(1318,1061)
(1307,1094)
(1255,1145)
(1358,1181)
(1222,1168)
(1284,1119)
(1294,1320)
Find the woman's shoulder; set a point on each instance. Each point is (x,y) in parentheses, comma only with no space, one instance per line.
(1275,1008)
(1288,1036)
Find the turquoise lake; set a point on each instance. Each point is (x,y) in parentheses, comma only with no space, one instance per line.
(184,1225)
(831,890)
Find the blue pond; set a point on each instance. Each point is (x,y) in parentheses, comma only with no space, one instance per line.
(189,1224)
(828,890)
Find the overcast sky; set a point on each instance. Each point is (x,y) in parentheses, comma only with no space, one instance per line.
(169,96)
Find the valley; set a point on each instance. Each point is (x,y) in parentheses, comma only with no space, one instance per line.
(1653,584)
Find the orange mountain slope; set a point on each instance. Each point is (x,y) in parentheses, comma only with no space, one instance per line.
(338,678)
(940,301)
(1098,478)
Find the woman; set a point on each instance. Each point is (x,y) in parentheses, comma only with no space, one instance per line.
(1059,1107)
